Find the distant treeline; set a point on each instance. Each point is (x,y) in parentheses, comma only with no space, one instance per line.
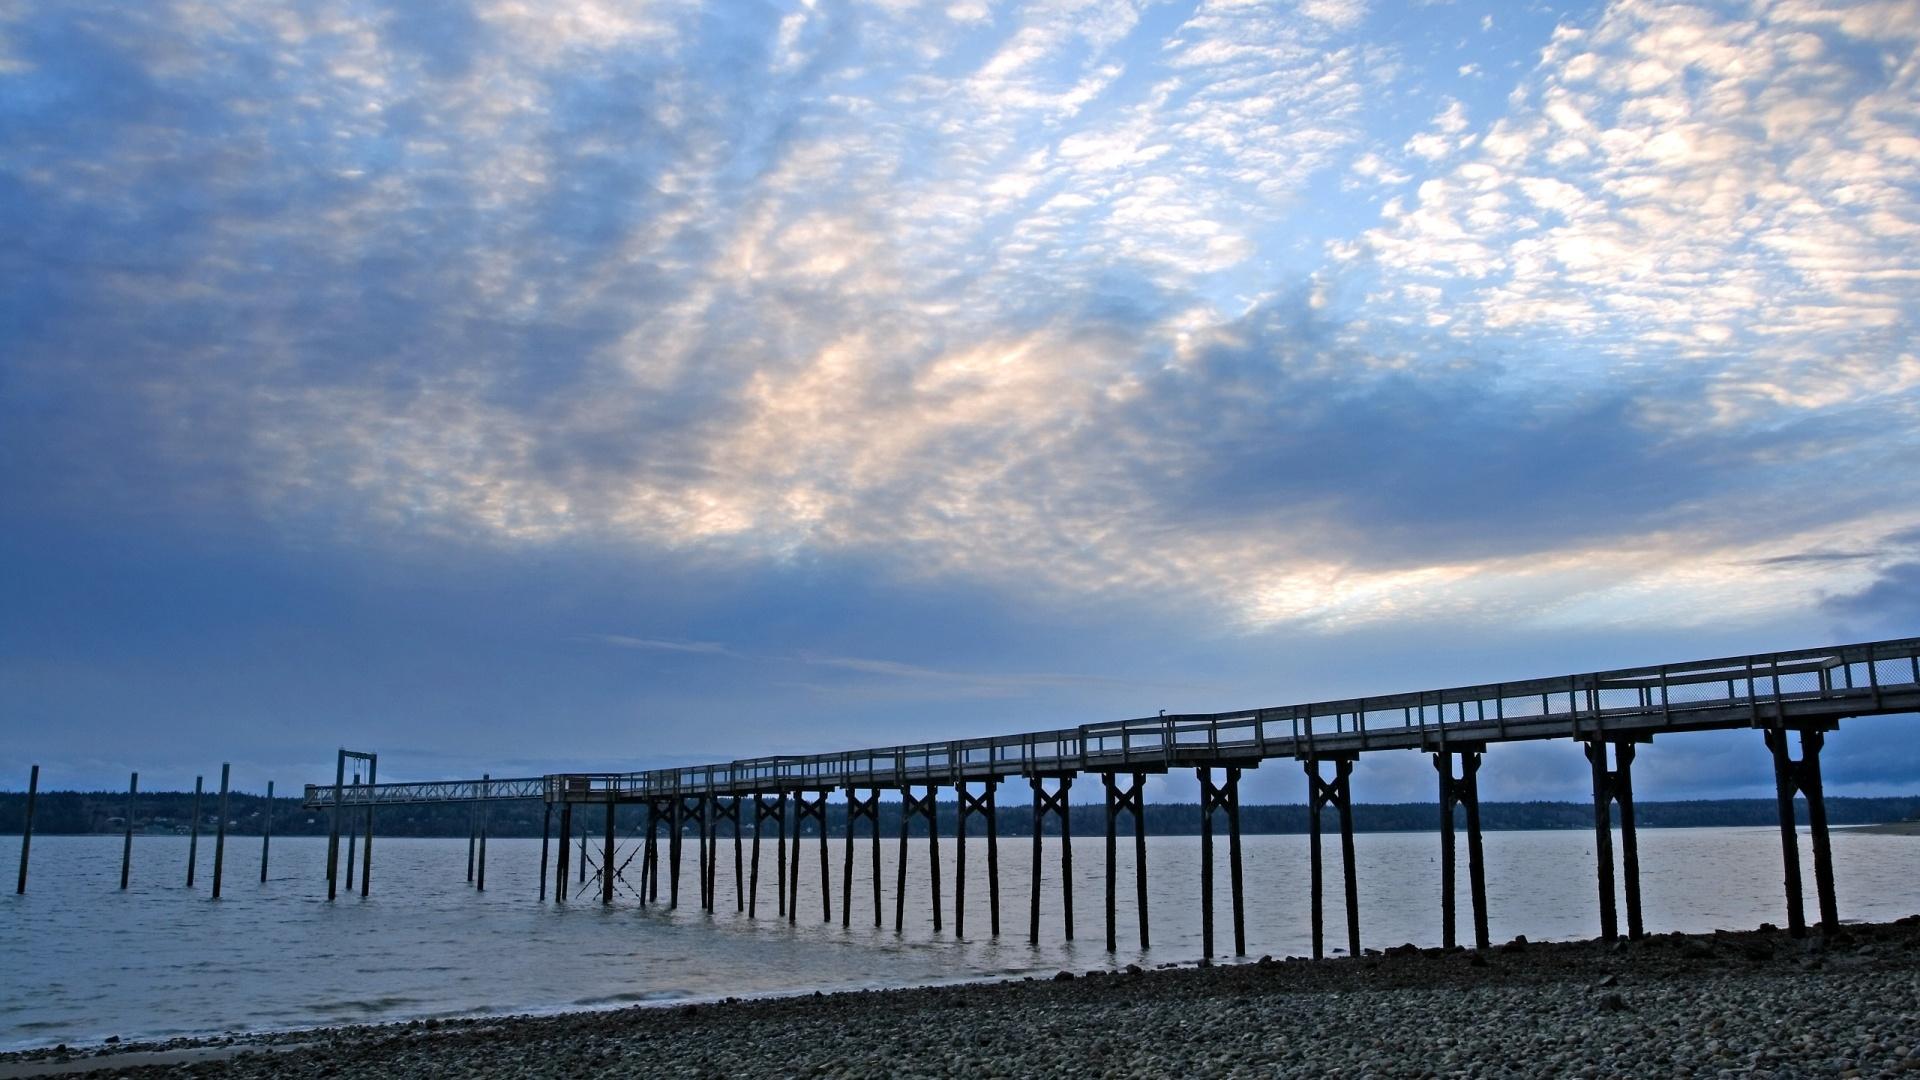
(73,812)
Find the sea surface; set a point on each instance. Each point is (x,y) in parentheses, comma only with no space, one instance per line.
(80,960)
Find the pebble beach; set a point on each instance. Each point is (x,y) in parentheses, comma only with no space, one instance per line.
(1750,1004)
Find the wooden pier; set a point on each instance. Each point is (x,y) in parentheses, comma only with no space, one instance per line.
(1785,697)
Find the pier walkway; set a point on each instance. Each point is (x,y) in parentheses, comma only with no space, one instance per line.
(1805,693)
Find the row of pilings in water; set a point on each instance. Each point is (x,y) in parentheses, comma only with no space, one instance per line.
(777,820)
(785,814)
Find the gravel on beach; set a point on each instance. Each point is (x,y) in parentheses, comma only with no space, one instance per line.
(1749,1004)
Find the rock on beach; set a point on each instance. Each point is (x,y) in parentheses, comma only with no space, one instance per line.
(1753,1004)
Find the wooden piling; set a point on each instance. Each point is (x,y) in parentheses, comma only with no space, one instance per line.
(993,857)
(858,809)
(473,837)
(1338,793)
(1140,852)
(753,860)
(546,831)
(193,833)
(1455,791)
(1344,770)
(1612,785)
(353,834)
(673,852)
(26,832)
(366,842)
(606,859)
(266,834)
(739,879)
(1803,776)
(1113,846)
(486,812)
(1206,866)
(925,807)
(804,808)
(333,823)
(566,849)
(1044,803)
(1235,876)
(1129,800)
(126,848)
(1629,838)
(220,830)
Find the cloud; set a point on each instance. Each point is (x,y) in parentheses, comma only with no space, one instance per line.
(1017,303)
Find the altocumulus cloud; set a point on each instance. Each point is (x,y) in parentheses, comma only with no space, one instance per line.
(1011,295)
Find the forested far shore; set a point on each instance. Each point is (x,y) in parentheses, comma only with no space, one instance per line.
(168,812)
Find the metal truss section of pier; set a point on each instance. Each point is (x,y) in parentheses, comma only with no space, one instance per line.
(1610,714)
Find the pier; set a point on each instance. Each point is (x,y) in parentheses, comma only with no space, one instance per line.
(1789,699)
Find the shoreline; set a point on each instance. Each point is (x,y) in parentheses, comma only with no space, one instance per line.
(1755,1000)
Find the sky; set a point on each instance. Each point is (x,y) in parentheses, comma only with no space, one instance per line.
(518,387)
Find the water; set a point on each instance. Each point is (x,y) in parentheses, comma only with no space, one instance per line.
(80,961)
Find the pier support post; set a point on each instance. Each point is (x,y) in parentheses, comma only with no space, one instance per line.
(1611,786)
(859,809)
(26,833)
(566,849)
(473,837)
(1803,776)
(126,849)
(1044,803)
(728,809)
(193,830)
(763,808)
(1224,796)
(673,851)
(486,813)
(266,834)
(1461,790)
(1129,799)
(707,850)
(968,805)
(220,829)
(546,833)
(606,858)
(815,808)
(911,807)
(1338,792)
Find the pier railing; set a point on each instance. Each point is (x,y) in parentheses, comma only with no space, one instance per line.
(1742,691)
(1759,690)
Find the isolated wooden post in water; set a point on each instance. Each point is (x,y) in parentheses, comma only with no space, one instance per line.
(486,808)
(26,833)
(193,841)
(333,825)
(353,837)
(220,829)
(126,849)
(473,837)
(266,834)
(366,843)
